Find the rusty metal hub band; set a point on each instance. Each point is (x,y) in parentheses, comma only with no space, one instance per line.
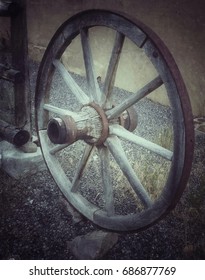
(62,130)
(104,122)
(91,125)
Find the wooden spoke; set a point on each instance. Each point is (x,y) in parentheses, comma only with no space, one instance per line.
(113,63)
(51,158)
(71,83)
(114,145)
(59,111)
(80,116)
(58,148)
(106,179)
(81,167)
(127,135)
(95,92)
(150,87)
(45,141)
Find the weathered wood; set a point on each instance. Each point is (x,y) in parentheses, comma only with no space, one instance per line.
(182,128)
(94,90)
(81,167)
(127,135)
(59,111)
(106,181)
(8,8)
(63,181)
(6,115)
(76,90)
(113,63)
(58,148)
(85,125)
(78,116)
(9,74)
(119,155)
(150,87)
(19,49)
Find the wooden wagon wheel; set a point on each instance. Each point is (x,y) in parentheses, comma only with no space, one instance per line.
(90,136)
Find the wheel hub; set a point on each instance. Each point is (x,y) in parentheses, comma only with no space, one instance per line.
(90,124)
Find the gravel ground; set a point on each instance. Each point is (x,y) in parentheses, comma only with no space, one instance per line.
(35,223)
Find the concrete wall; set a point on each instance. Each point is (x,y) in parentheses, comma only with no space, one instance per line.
(179,23)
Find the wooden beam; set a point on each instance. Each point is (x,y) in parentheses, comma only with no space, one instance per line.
(19,49)
(8,8)
(9,74)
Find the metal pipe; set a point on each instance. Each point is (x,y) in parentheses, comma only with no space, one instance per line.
(15,136)
(62,130)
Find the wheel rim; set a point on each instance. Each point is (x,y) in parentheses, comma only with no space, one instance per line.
(96,129)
